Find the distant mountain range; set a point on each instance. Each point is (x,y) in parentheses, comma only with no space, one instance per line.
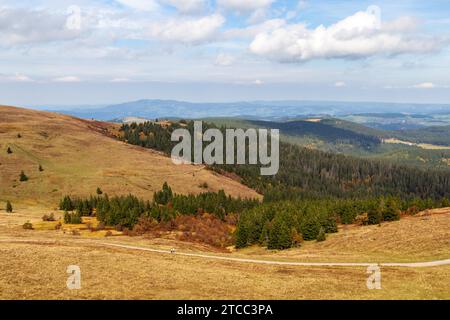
(257,110)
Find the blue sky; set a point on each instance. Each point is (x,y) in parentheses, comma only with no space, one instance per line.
(107,51)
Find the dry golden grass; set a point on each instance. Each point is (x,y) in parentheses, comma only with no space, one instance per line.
(36,268)
(413,238)
(78,157)
(109,273)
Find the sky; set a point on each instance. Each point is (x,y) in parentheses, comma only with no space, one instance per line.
(59,52)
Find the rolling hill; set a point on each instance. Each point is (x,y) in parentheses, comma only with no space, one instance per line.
(77,156)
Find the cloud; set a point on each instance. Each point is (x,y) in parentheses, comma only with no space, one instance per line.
(424,85)
(224,60)
(67,79)
(142,5)
(23,26)
(186,30)
(187,6)
(358,36)
(340,84)
(253,30)
(244,5)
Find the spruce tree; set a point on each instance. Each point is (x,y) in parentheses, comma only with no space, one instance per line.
(23,177)
(9,207)
(375,214)
(391,213)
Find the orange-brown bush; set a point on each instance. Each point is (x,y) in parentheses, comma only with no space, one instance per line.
(205,228)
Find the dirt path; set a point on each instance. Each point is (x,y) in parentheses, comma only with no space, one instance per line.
(426,264)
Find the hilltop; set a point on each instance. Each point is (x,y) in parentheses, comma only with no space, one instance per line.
(77,156)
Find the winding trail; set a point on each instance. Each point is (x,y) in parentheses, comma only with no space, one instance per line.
(434,263)
(427,264)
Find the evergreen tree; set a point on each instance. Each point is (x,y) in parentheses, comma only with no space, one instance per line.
(40,168)
(23,177)
(9,151)
(280,235)
(241,236)
(99,191)
(375,214)
(391,212)
(310,230)
(9,207)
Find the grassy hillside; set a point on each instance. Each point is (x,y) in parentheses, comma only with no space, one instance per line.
(77,157)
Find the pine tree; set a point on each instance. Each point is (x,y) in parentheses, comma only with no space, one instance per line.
(280,235)
(9,207)
(375,214)
(310,230)
(9,151)
(23,177)
(391,213)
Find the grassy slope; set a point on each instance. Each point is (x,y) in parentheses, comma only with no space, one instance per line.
(78,157)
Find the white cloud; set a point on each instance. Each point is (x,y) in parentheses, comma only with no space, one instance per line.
(120,80)
(254,30)
(340,84)
(143,5)
(425,85)
(67,79)
(23,26)
(224,60)
(187,6)
(188,31)
(244,5)
(358,36)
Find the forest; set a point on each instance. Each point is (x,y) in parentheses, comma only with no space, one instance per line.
(274,224)
(311,174)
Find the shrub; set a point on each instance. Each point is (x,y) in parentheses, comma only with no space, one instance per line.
(99,191)
(76,232)
(40,168)
(9,151)
(108,233)
(203,185)
(49,217)
(322,236)
(27,226)
(9,207)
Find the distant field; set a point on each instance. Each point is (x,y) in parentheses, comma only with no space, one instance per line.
(426,146)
